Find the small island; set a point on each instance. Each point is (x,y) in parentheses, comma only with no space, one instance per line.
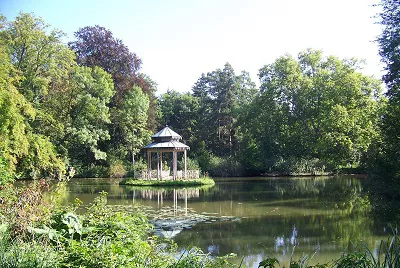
(192,182)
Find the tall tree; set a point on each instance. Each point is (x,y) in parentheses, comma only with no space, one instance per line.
(78,108)
(181,112)
(221,93)
(41,57)
(96,46)
(133,123)
(389,43)
(28,154)
(314,107)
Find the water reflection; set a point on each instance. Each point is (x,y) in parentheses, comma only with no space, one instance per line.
(255,217)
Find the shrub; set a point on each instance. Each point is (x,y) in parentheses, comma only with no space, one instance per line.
(92,171)
(299,166)
(224,167)
(117,170)
(24,206)
(5,174)
(191,164)
(27,254)
(137,167)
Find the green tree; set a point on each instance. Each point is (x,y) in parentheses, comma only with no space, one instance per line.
(69,103)
(96,46)
(41,58)
(78,108)
(389,41)
(25,153)
(221,93)
(181,112)
(313,107)
(133,123)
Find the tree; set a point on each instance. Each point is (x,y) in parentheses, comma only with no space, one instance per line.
(69,103)
(41,58)
(79,109)
(221,93)
(389,42)
(25,153)
(313,107)
(96,46)
(133,123)
(180,111)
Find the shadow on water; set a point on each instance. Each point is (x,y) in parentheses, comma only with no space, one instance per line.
(259,217)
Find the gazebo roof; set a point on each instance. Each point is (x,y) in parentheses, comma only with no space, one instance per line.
(169,145)
(166,132)
(166,140)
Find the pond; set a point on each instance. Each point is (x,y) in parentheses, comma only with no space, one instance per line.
(255,217)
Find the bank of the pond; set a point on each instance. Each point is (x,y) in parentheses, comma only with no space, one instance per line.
(194,182)
(46,233)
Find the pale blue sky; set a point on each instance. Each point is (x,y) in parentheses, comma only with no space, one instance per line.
(178,40)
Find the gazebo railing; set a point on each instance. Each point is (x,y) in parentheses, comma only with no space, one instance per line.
(166,174)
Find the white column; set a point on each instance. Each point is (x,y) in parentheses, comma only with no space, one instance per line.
(174,157)
(161,165)
(184,170)
(149,165)
(158,166)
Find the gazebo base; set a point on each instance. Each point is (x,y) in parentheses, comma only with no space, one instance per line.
(165,175)
(183,183)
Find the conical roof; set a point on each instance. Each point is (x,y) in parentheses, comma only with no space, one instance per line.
(166,139)
(166,133)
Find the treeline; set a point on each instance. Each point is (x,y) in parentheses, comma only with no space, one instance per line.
(312,114)
(86,107)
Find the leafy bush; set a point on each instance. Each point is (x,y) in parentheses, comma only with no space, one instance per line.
(224,167)
(299,166)
(27,254)
(24,206)
(117,170)
(137,167)
(92,171)
(191,164)
(5,174)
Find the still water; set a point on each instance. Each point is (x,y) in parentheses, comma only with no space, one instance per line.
(254,217)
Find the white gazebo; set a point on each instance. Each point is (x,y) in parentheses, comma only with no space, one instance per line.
(166,141)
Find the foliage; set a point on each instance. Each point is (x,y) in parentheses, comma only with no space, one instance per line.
(132,118)
(312,107)
(181,113)
(191,164)
(220,94)
(5,175)
(41,57)
(96,46)
(224,167)
(24,206)
(27,255)
(299,166)
(25,152)
(92,171)
(389,50)
(117,170)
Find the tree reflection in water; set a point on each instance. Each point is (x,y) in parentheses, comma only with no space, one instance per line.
(254,217)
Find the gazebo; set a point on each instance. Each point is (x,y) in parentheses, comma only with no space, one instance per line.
(166,141)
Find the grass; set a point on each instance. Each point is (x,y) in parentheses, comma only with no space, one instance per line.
(194,182)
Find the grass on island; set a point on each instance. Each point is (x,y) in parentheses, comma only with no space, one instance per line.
(192,182)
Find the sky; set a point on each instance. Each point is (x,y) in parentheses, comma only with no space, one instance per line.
(178,40)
